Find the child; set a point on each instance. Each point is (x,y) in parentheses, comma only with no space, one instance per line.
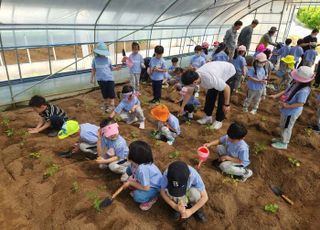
(88,137)
(256,81)
(310,56)
(174,65)
(189,102)
(291,102)
(52,116)
(260,49)
(316,127)
(233,152)
(129,108)
(215,45)
(175,86)
(168,124)
(220,54)
(102,71)
(285,50)
(145,176)
(158,71)
(239,63)
(297,52)
(197,60)
(204,52)
(112,149)
(184,191)
(135,69)
(286,66)
(275,54)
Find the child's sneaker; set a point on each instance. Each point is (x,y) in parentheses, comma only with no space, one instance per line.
(316,129)
(248,174)
(141,125)
(279,145)
(216,125)
(253,112)
(274,140)
(154,101)
(146,206)
(196,95)
(190,116)
(205,120)
(170,141)
(124,177)
(129,122)
(245,110)
(109,109)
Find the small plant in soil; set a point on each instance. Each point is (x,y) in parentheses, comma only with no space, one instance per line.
(188,123)
(154,133)
(294,162)
(264,118)
(308,132)
(259,148)
(5,121)
(75,188)
(9,132)
(134,134)
(35,155)
(230,179)
(157,143)
(95,200)
(51,170)
(117,119)
(271,208)
(174,154)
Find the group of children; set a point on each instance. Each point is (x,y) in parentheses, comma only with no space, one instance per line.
(180,185)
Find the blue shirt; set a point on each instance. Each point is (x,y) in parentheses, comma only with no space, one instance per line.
(148,175)
(197,61)
(310,55)
(221,56)
(119,145)
(239,63)
(297,52)
(171,69)
(174,123)
(137,61)
(103,67)
(238,150)
(261,74)
(300,97)
(159,63)
(194,181)
(284,51)
(89,133)
(127,105)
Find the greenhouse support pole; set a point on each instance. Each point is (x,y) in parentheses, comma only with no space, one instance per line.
(170,46)
(7,72)
(152,26)
(280,21)
(291,20)
(98,18)
(17,54)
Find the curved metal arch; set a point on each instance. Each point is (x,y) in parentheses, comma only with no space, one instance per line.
(211,6)
(163,12)
(98,18)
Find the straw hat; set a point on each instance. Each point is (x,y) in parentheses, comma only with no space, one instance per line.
(160,113)
(69,128)
(242,48)
(261,57)
(304,74)
(102,49)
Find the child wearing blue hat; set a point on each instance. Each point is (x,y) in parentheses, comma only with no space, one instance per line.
(102,71)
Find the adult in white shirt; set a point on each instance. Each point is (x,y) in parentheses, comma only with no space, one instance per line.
(215,76)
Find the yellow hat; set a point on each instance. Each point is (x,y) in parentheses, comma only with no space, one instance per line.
(69,128)
(289,59)
(160,113)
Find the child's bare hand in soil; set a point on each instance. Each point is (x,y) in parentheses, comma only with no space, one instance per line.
(33,130)
(186,214)
(224,158)
(76,148)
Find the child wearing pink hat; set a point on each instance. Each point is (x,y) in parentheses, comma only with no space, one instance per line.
(240,64)
(260,49)
(257,78)
(291,104)
(112,149)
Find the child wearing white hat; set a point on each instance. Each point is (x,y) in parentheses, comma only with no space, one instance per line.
(291,104)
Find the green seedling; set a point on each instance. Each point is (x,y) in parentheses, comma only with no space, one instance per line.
(51,170)
(194,161)
(259,148)
(231,179)
(308,132)
(134,134)
(35,155)
(208,127)
(75,188)
(5,121)
(174,154)
(188,123)
(102,188)
(264,119)
(95,200)
(117,119)
(154,133)
(9,132)
(272,208)
(294,161)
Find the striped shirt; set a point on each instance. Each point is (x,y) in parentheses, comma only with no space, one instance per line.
(53,110)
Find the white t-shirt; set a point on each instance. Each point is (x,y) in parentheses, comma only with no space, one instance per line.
(214,75)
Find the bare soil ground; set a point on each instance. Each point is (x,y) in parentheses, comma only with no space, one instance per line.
(64,200)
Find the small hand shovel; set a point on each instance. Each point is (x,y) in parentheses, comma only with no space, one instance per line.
(107,201)
(278,192)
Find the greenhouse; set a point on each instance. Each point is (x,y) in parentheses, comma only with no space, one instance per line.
(159,114)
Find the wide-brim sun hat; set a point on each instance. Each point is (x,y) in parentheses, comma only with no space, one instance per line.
(289,59)
(304,74)
(102,49)
(242,48)
(160,113)
(261,57)
(110,130)
(69,128)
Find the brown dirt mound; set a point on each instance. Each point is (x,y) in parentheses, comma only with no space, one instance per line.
(31,201)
